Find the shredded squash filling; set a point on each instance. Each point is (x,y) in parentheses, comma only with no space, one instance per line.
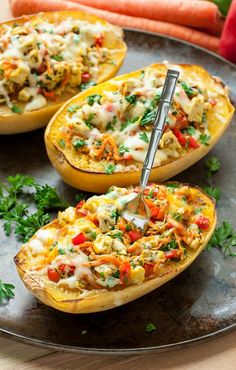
(92,247)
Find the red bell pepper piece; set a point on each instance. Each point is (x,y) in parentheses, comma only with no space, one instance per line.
(134,235)
(53,275)
(79,239)
(85,77)
(192,143)
(149,267)
(125,270)
(203,222)
(99,40)
(174,253)
(180,137)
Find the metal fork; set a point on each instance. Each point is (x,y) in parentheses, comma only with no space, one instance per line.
(135,209)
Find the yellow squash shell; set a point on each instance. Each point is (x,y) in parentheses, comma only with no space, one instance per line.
(11,123)
(98,182)
(68,300)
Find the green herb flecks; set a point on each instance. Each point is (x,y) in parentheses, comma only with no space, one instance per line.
(188,89)
(131,99)
(224,238)
(94,98)
(110,168)
(79,143)
(150,327)
(111,125)
(213,192)
(204,139)
(123,149)
(16,109)
(58,58)
(6,291)
(148,117)
(129,122)
(73,108)
(62,143)
(143,136)
(212,165)
(88,121)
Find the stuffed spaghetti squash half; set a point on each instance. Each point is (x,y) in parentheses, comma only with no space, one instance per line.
(100,137)
(90,259)
(47,58)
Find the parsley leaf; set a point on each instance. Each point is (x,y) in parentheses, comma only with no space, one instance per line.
(212,165)
(148,117)
(204,139)
(143,136)
(111,125)
(16,109)
(212,191)
(73,108)
(27,227)
(79,143)
(46,197)
(85,85)
(190,130)
(6,291)
(150,327)
(88,120)
(188,89)
(224,238)
(80,196)
(94,98)
(123,149)
(58,58)
(128,122)
(132,99)
(62,143)
(110,168)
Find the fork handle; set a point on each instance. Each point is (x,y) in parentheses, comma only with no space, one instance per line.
(158,126)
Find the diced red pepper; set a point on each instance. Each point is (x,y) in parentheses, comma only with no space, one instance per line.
(79,239)
(99,40)
(53,275)
(202,222)
(128,157)
(85,77)
(192,143)
(134,235)
(49,94)
(66,268)
(180,137)
(157,213)
(213,102)
(172,254)
(125,270)
(80,204)
(149,267)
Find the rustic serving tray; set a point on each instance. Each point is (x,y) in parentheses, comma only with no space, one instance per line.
(198,304)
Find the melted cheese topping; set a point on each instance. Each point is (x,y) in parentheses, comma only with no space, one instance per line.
(110,131)
(92,246)
(40,60)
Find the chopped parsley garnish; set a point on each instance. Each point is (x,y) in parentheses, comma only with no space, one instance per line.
(116,274)
(131,99)
(143,136)
(16,109)
(154,102)
(150,327)
(213,192)
(111,125)
(224,238)
(62,143)
(204,117)
(115,214)
(6,291)
(95,98)
(188,89)
(61,251)
(110,168)
(85,85)
(190,130)
(117,235)
(171,245)
(93,235)
(172,185)
(204,139)
(177,216)
(198,210)
(123,149)
(102,275)
(80,196)
(79,143)
(88,121)
(128,122)
(16,213)
(58,58)
(148,117)
(73,108)
(212,165)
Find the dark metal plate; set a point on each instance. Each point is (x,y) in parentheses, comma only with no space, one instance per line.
(198,304)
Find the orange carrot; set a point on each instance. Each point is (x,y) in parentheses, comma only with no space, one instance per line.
(194,13)
(20,7)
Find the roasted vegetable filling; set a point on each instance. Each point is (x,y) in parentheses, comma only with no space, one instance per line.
(93,247)
(113,128)
(41,60)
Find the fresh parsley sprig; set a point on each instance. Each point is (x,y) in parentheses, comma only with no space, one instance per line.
(213,192)
(15,213)
(224,238)
(212,165)
(6,291)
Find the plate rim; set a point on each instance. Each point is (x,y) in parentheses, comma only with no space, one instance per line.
(9,334)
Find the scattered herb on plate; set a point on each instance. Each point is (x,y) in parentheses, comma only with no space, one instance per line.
(213,192)
(150,327)
(224,238)
(6,291)
(212,165)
